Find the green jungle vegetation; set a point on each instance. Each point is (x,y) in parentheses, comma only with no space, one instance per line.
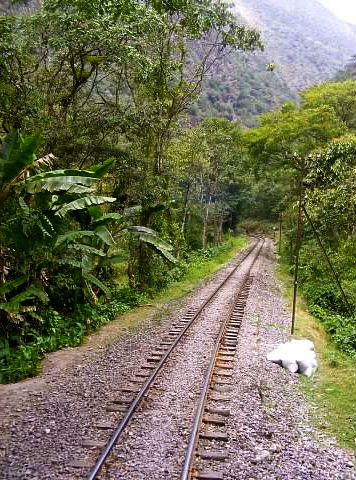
(105,198)
(109,194)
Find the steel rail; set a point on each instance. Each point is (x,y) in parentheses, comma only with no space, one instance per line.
(148,383)
(186,473)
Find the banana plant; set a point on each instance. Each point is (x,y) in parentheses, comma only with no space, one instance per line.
(13,307)
(17,160)
(55,200)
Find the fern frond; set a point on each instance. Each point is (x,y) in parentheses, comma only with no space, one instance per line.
(24,206)
(46,225)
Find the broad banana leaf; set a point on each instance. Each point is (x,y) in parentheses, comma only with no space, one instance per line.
(70,172)
(114,259)
(73,236)
(16,155)
(87,249)
(103,233)
(107,218)
(68,183)
(101,169)
(151,237)
(14,305)
(97,282)
(82,203)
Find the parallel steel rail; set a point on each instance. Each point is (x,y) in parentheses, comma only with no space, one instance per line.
(151,378)
(239,302)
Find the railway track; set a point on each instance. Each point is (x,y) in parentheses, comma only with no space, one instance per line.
(212,407)
(55,426)
(209,411)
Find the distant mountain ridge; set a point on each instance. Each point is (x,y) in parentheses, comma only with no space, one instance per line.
(308,44)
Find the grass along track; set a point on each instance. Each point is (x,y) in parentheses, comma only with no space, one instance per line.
(332,390)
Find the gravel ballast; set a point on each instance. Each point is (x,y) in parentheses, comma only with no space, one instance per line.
(44,421)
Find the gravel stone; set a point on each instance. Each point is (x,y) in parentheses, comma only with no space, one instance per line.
(44,422)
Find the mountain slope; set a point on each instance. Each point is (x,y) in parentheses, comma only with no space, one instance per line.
(307,43)
(305,39)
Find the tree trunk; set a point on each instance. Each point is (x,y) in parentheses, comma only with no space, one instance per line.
(185,210)
(205,223)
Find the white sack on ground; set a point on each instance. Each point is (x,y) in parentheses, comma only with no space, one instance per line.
(296,356)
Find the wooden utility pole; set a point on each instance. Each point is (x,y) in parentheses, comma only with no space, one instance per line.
(297,248)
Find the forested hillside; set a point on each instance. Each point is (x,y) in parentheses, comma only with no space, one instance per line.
(9,7)
(304,45)
(303,39)
(348,71)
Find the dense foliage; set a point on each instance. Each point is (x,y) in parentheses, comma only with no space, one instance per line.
(108,190)
(99,204)
(309,152)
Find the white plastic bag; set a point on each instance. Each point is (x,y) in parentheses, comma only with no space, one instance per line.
(295,356)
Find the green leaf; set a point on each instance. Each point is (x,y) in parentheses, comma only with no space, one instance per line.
(69,261)
(98,283)
(95,211)
(114,259)
(73,236)
(24,206)
(149,233)
(70,184)
(159,245)
(140,229)
(70,172)
(108,218)
(103,233)
(11,285)
(82,203)
(17,154)
(14,305)
(87,249)
(149,236)
(102,168)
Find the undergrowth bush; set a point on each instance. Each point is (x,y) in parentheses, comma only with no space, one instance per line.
(20,354)
(22,349)
(323,295)
(342,329)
